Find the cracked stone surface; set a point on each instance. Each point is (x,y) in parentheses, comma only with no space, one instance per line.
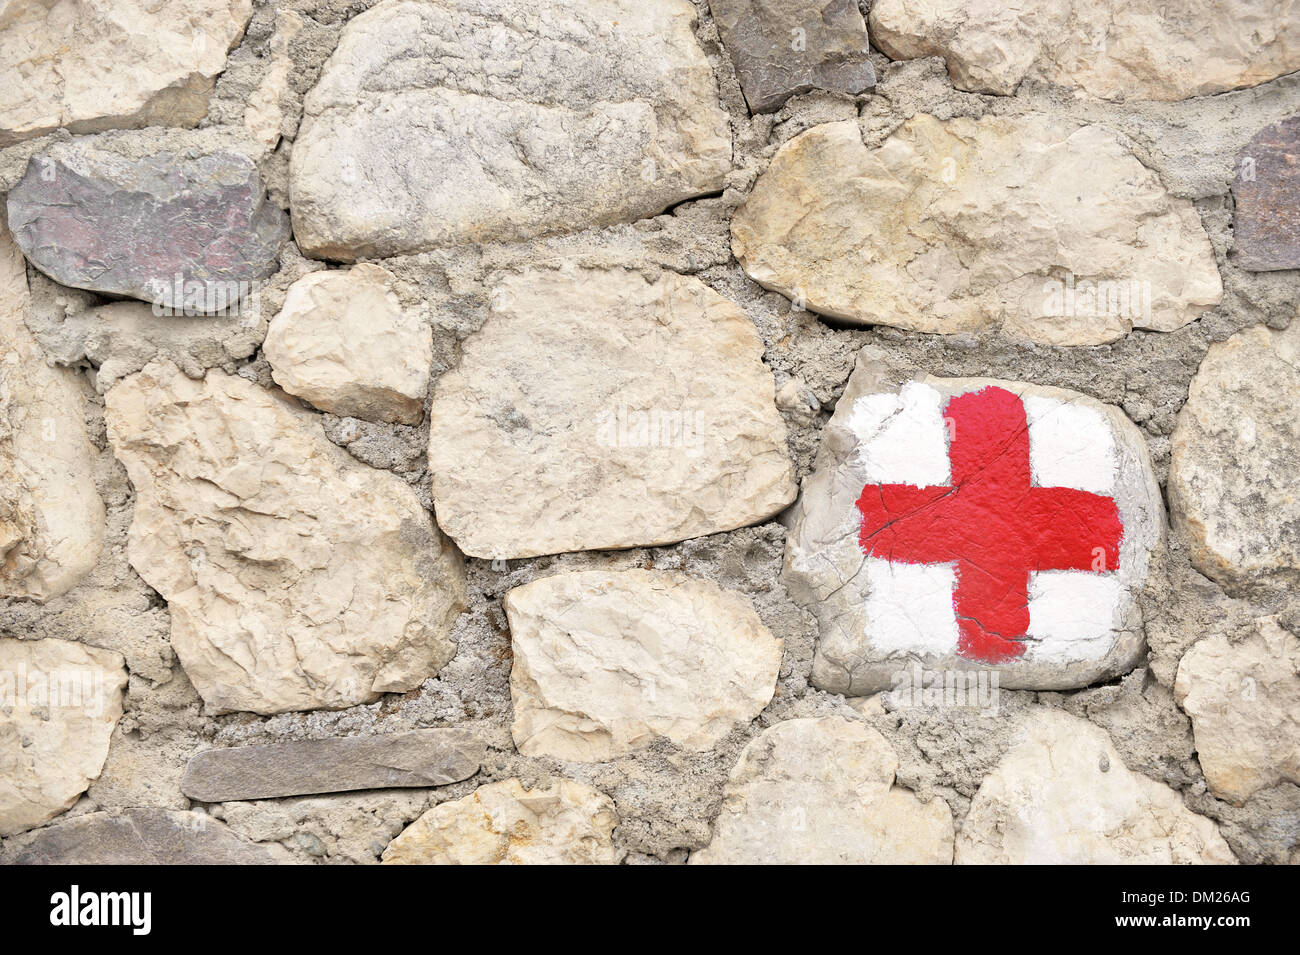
(784,47)
(1063,796)
(343,342)
(503,823)
(59,702)
(1266,199)
(1232,490)
(51,514)
(91,65)
(1050,232)
(140,837)
(1112,50)
(484,120)
(296,577)
(821,792)
(605,663)
(1244,700)
(880,612)
(597,408)
(176,230)
(432,757)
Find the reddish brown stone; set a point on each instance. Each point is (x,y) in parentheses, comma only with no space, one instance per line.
(1267,193)
(169,229)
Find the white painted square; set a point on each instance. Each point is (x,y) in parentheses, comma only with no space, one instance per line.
(902,438)
(1070,445)
(909,607)
(1071,613)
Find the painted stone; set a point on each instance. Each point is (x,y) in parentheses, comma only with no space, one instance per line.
(1266,193)
(784,47)
(183,232)
(973,524)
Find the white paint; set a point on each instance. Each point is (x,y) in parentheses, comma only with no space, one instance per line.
(909,607)
(1070,445)
(1071,613)
(902,438)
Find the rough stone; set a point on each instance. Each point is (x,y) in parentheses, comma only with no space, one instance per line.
(343,342)
(51,516)
(296,577)
(91,65)
(1232,488)
(183,232)
(140,837)
(1244,701)
(607,662)
(121,338)
(784,47)
(59,702)
(879,612)
(1063,796)
(1113,50)
(598,409)
(432,757)
(1266,199)
(482,120)
(563,823)
(264,115)
(820,792)
(1050,232)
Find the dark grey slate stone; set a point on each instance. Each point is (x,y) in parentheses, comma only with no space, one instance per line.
(431,757)
(176,231)
(1266,189)
(139,837)
(784,47)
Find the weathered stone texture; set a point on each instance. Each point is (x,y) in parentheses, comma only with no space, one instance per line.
(605,663)
(296,577)
(432,757)
(343,342)
(51,515)
(175,230)
(820,792)
(1232,482)
(481,120)
(598,409)
(562,823)
(59,702)
(1051,232)
(1106,49)
(91,65)
(784,47)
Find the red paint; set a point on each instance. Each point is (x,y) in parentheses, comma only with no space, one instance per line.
(992,523)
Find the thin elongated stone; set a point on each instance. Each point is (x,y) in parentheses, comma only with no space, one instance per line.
(432,757)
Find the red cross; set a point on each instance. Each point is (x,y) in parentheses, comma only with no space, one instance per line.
(992,523)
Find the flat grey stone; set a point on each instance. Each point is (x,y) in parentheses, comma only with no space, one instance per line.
(163,228)
(1266,190)
(784,47)
(139,837)
(432,757)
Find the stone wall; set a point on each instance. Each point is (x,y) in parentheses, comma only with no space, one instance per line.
(427,429)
